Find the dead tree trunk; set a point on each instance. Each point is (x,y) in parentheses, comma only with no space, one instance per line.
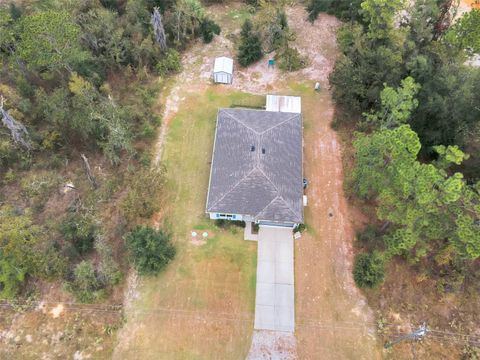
(158,29)
(17,130)
(88,170)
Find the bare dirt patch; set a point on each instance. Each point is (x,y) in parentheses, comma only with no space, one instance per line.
(283,348)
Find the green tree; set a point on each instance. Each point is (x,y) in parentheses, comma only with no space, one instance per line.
(23,251)
(368,270)
(421,202)
(397,104)
(106,39)
(346,10)
(151,250)
(271,24)
(465,33)
(380,16)
(250,49)
(49,40)
(186,18)
(209,28)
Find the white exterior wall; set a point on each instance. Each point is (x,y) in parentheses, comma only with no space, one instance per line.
(216,216)
(222,77)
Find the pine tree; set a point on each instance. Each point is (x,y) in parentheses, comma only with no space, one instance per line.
(250,49)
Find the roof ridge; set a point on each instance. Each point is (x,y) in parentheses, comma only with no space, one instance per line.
(284,202)
(233,187)
(280,123)
(270,203)
(241,123)
(279,194)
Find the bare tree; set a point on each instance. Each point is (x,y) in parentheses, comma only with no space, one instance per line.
(158,29)
(17,130)
(88,170)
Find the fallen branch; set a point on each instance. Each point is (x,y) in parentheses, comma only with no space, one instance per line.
(88,170)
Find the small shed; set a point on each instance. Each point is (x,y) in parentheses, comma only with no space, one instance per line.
(292,104)
(223,70)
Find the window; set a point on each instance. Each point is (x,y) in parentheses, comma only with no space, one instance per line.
(226,216)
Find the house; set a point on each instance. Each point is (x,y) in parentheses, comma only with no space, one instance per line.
(223,70)
(257,168)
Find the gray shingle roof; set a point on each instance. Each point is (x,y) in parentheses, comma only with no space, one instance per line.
(267,186)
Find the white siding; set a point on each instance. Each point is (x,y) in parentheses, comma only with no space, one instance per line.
(222,78)
(216,216)
(223,70)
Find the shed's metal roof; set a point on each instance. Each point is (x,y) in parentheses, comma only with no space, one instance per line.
(264,184)
(280,103)
(223,64)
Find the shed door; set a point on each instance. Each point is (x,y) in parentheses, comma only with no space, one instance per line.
(221,77)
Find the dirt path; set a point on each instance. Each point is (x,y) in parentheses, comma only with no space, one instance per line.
(332,315)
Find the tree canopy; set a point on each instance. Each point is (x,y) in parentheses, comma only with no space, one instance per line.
(425,205)
(49,41)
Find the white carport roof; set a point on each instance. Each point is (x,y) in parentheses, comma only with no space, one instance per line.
(223,64)
(291,104)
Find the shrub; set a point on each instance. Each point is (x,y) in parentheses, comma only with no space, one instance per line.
(109,271)
(315,7)
(370,237)
(301,228)
(225,224)
(8,153)
(170,63)
(80,231)
(250,49)
(368,270)
(21,250)
(142,199)
(290,59)
(252,3)
(208,29)
(151,250)
(85,285)
(52,140)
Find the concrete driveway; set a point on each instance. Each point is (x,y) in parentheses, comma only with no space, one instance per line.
(274,303)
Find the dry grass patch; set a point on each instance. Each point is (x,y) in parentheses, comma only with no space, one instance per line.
(202,306)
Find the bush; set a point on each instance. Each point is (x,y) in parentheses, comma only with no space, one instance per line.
(225,224)
(80,231)
(208,29)
(290,59)
(368,270)
(85,285)
(151,250)
(342,9)
(315,7)
(370,237)
(24,251)
(301,228)
(142,199)
(250,49)
(109,271)
(170,63)
(8,153)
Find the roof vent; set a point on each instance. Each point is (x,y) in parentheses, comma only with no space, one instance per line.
(252,148)
(263,150)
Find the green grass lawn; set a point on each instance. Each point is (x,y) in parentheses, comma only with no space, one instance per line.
(202,306)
